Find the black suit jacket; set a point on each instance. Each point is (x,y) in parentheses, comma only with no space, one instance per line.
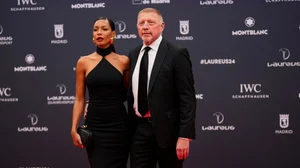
(171,94)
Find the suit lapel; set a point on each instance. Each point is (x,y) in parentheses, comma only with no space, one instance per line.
(160,56)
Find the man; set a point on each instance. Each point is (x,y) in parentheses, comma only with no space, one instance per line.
(161,99)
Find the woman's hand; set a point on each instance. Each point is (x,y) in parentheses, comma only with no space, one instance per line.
(76,140)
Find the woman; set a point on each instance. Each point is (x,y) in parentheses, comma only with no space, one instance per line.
(105,74)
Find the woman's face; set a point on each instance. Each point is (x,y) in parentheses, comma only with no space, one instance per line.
(102,33)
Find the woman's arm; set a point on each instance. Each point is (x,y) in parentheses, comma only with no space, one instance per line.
(80,94)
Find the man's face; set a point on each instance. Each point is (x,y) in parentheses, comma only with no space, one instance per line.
(150,27)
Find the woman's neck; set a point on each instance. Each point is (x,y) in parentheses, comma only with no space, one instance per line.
(104,51)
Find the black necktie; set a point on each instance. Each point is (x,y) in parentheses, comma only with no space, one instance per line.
(142,88)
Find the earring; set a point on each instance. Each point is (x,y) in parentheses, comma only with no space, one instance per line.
(111,40)
(93,40)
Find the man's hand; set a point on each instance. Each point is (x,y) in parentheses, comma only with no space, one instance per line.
(182,148)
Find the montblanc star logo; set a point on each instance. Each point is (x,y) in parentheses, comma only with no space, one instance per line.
(249,22)
(29,59)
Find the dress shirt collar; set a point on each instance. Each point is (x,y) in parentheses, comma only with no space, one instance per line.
(154,45)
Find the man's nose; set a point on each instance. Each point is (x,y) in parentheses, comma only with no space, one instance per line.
(146,25)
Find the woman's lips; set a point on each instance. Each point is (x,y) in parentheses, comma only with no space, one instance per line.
(99,39)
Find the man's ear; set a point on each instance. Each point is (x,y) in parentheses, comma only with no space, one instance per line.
(162,25)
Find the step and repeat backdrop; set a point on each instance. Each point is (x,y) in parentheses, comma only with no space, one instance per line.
(246,63)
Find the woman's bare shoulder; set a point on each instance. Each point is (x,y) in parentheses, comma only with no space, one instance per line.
(86,58)
(124,59)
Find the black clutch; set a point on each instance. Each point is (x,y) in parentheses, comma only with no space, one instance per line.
(85,135)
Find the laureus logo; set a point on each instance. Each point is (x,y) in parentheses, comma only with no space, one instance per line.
(62,88)
(62,98)
(121,26)
(220,127)
(285,53)
(1,29)
(33,118)
(219,116)
(5,40)
(121,34)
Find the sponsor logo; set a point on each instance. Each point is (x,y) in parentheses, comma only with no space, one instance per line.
(5,40)
(59,34)
(146,2)
(216,2)
(62,98)
(251,91)
(34,128)
(286,54)
(250,22)
(29,59)
(88,5)
(199,96)
(5,95)
(27,5)
(277,1)
(184,29)
(217,61)
(220,126)
(284,124)
(121,34)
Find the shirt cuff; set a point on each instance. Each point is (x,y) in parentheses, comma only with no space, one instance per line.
(187,139)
